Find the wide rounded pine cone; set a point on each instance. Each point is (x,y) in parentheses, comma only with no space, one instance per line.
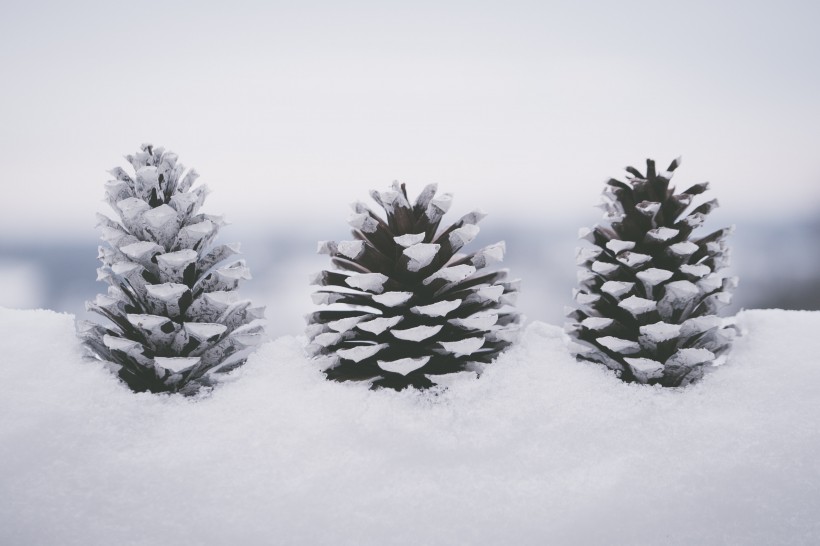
(650,290)
(404,303)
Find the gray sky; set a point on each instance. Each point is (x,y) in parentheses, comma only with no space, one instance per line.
(292,110)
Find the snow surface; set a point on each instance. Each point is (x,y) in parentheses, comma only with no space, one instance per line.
(539,450)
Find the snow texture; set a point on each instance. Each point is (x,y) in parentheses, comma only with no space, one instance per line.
(540,450)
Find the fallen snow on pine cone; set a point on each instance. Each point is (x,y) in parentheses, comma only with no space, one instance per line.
(539,450)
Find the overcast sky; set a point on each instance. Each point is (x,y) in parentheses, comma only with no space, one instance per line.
(292,110)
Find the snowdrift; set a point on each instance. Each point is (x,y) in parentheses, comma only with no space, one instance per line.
(540,450)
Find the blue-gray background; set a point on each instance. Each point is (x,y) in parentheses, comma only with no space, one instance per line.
(290,111)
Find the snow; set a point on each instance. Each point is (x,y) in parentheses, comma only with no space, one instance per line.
(421,255)
(440,308)
(392,299)
(618,345)
(463,347)
(539,450)
(379,325)
(637,306)
(597,323)
(686,248)
(351,249)
(617,245)
(661,234)
(403,366)
(652,276)
(370,282)
(483,320)
(463,235)
(660,331)
(357,354)
(617,289)
(634,259)
(409,239)
(455,273)
(418,333)
(604,268)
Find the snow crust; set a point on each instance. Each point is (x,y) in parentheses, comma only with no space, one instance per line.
(539,450)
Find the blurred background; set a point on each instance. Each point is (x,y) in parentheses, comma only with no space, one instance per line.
(292,110)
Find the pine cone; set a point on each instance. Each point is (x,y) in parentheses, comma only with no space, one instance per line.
(649,292)
(411,306)
(176,320)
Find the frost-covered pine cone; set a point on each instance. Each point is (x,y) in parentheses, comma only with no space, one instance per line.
(649,291)
(410,305)
(176,318)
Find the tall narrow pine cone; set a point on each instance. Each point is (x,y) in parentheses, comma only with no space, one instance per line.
(649,291)
(176,318)
(408,304)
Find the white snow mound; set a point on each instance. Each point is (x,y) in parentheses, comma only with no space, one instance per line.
(539,450)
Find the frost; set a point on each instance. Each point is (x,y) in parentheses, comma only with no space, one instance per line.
(351,249)
(464,347)
(660,331)
(637,306)
(392,299)
(141,251)
(597,323)
(357,354)
(710,283)
(403,366)
(421,255)
(661,234)
(203,331)
(584,298)
(648,208)
(363,222)
(690,358)
(489,293)
(379,325)
(192,235)
(584,276)
(177,364)
(438,309)
(586,254)
(489,255)
(618,345)
(438,207)
(172,266)
(685,248)
(132,209)
(604,268)
(409,239)
(645,369)
(682,289)
(419,333)
(653,276)
(327,339)
(697,270)
(697,325)
(451,274)
(369,282)
(145,322)
(633,259)
(617,246)
(617,289)
(345,324)
(463,235)
(168,292)
(477,321)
